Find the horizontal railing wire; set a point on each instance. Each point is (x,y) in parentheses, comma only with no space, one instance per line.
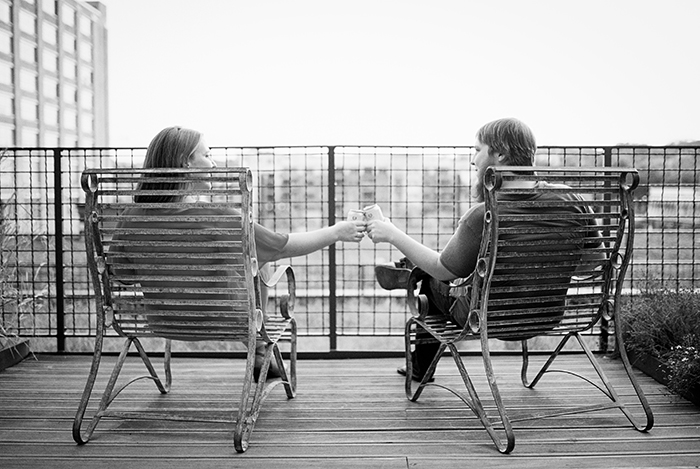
(423,190)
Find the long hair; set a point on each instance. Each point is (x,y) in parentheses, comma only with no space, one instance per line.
(170,148)
(511,138)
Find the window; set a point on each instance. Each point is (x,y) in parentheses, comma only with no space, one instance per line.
(50,138)
(49,6)
(49,87)
(49,60)
(68,15)
(85,26)
(68,42)
(85,51)
(70,119)
(69,69)
(86,141)
(85,76)
(50,115)
(29,110)
(30,137)
(7,103)
(49,33)
(69,93)
(27,22)
(27,51)
(6,73)
(69,140)
(7,135)
(5,42)
(5,12)
(28,80)
(86,99)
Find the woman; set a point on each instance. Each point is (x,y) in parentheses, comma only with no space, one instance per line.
(177,147)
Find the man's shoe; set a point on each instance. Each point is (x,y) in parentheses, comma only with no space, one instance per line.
(391,277)
(415,377)
(395,275)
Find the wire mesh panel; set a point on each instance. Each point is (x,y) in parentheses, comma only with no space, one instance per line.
(667,251)
(423,190)
(28,234)
(78,305)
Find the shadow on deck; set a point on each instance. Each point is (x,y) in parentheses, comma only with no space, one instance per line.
(348,413)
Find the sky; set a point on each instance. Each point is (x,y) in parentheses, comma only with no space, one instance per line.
(403,72)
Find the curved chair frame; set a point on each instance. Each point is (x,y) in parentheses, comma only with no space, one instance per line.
(151,268)
(590,287)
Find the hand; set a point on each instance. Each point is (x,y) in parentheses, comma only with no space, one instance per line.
(350,231)
(381,231)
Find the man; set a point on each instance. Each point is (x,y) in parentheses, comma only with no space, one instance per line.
(503,142)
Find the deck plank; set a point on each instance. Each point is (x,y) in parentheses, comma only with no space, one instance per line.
(348,413)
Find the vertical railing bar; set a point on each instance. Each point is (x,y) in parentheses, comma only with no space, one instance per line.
(332,262)
(604,323)
(58,233)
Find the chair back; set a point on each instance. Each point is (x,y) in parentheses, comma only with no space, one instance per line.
(556,245)
(172,252)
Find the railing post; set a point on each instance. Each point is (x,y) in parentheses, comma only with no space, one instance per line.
(332,273)
(58,243)
(604,323)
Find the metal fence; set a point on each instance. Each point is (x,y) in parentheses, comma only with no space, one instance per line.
(46,293)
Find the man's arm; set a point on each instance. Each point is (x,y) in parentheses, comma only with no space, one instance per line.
(428,260)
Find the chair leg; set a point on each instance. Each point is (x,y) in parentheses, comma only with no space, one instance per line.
(243,424)
(410,394)
(163,388)
(649,416)
(78,436)
(545,367)
(109,393)
(289,376)
(606,388)
(166,363)
(478,409)
(249,409)
(107,396)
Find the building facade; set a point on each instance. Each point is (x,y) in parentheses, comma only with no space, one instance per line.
(53,74)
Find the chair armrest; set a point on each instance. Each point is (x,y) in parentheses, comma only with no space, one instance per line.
(418,305)
(287,300)
(277,275)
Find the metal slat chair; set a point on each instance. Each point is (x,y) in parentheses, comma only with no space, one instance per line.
(542,271)
(180,264)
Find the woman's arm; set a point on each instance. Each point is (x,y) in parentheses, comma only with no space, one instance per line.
(301,244)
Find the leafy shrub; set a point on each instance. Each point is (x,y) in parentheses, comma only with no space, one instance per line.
(684,365)
(18,273)
(666,324)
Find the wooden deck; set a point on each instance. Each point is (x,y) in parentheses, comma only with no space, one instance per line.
(348,413)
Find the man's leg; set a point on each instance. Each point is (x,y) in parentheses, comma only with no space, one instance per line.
(396,276)
(439,303)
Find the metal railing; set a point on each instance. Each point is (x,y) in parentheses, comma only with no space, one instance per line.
(46,293)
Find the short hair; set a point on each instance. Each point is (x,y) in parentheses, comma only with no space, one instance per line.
(172,147)
(511,138)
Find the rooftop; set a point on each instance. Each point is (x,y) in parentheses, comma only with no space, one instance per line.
(349,413)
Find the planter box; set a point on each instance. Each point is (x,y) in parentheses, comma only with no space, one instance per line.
(657,369)
(14,352)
